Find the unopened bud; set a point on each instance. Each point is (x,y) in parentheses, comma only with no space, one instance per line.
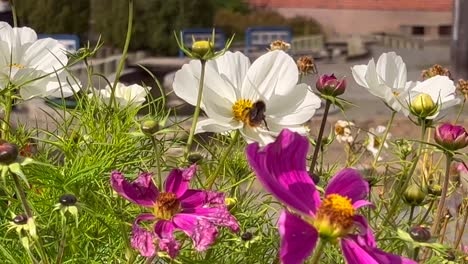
(67,200)
(8,152)
(452,137)
(20,219)
(202,48)
(247,236)
(420,233)
(194,157)
(413,195)
(434,189)
(149,127)
(330,85)
(230,202)
(423,106)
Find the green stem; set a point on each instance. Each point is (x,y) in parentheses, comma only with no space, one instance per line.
(389,124)
(124,53)
(62,244)
(158,161)
(210,181)
(318,252)
(7,110)
(416,253)
(13,12)
(461,232)
(441,206)
(410,219)
(460,111)
(197,110)
(319,138)
(426,214)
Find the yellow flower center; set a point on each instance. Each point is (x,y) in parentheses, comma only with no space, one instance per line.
(335,216)
(17,65)
(396,93)
(339,130)
(167,205)
(241,110)
(376,142)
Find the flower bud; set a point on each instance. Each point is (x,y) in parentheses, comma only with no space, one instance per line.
(315,178)
(230,202)
(194,157)
(330,85)
(420,233)
(451,137)
(435,189)
(413,195)
(247,236)
(68,200)
(202,48)
(8,152)
(20,219)
(423,106)
(149,127)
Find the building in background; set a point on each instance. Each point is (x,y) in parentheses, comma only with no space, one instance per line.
(425,19)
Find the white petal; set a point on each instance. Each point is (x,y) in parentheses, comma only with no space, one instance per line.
(375,86)
(392,70)
(46,55)
(272,73)
(359,74)
(210,125)
(232,66)
(254,134)
(186,82)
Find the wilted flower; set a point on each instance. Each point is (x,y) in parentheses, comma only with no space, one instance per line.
(330,85)
(258,99)
(435,70)
(31,64)
(281,168)
(375,138)
(451,137)
(462,87)
(133,95)
(280,45)
(343,131)
(386,80)
(195,212)
(306,65)
(426,99)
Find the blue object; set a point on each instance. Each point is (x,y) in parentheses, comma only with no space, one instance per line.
(71,42)
(202,34)
(261,37)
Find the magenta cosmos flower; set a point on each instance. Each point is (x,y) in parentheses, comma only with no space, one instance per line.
(281,168)
(195,212)
(451,137)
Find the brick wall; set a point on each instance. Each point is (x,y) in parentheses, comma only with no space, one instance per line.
(415,5)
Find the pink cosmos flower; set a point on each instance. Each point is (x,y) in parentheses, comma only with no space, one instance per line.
(281,168)
(452,137)
(195,212)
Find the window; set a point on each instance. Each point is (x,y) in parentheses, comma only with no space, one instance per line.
(445,30)
(417,30)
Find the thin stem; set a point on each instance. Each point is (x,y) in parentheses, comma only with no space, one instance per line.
(22,196)
(158,160)
(427,212)
(389,124)
(410,219)
(62,243)
(319,138)
(416,253)
(196,113)
(460,111)
(462,230)
(124,53)
(150,259)
(210,181)
(441,206)
(318,252)
(7,110)
(13,12)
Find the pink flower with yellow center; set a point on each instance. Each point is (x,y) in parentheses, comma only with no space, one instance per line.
(195,212)
(281,168)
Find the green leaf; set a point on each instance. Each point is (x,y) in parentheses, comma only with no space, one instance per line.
(16,169)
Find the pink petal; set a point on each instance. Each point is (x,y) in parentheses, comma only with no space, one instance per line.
(199,198)
(216,215)
(348,183)
(358,253)
(165,231)
(361,203)
(202,231)
(280,167)
(142,239)
(298,238)
(178,180)
(142,191)
(366,233)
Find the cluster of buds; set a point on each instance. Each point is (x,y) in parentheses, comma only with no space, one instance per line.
(462,87)
(330,85)
(435,70)
(280,45)
(451,137)
(306,65)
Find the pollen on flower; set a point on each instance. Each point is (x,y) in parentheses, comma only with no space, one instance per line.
(334,216)
(17,65)
(241,109)
(167,205)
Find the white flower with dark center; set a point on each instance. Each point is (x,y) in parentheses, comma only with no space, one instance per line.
(259,99)
(386,79)
(375,140)
(442,92)
(343,131)
(29,64)
(133,95)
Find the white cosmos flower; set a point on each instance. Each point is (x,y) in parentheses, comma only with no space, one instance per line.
(386,80)
(343,131)
(133,95)
(374,141)
(233,90)
(441,90)
(28,63)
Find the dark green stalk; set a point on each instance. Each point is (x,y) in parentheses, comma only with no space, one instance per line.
(13,12)
(318,251)
(319,138)
(441,205)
